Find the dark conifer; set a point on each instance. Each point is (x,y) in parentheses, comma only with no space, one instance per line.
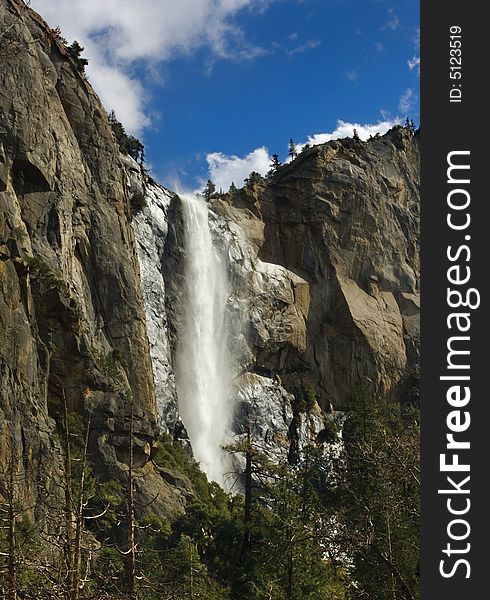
(293,152)
(209,191)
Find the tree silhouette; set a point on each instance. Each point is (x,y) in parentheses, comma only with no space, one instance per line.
(75,52)
(209,191)
(274,166)
(253,179)
(410,125)
(292,150)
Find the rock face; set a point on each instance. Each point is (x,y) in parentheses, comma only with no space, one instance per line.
(323,262)
(71,309)
(151,229)
(322,259)
(334,265)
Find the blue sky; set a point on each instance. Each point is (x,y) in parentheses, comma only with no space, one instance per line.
(216,86)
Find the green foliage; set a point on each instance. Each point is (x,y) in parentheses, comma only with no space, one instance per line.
(109,572)
(104,498)
(282,551)
(176,570)
(253,179)
(233,188)
(329,434)
(112,369)
(43,274)
(128,144)
(410,126)
(380,497)
(119,133)
(173,561)
(303,539)
(298,536)
(209,191)
(136,149)
(107,500)
(171,454)
(292,150)
(304,398)
(75,52)
(275,165)
(107,365)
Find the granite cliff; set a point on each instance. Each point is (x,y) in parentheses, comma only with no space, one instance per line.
(72,318)
(322,257)
(323,262)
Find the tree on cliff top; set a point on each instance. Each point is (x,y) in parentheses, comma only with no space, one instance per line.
(128,144)
(75,52)
(274,166)
(253,178)
(209,191)
(410,125)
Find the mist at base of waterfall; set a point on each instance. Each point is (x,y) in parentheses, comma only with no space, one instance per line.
(203,370)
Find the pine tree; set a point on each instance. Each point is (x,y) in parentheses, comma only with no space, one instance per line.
(253,179)
(379,496)
(292,151)
(274,166)
(119,133)
(136,150)
(410,125)
(276,163)
(233,188)
(75,52)
(209,191)
(286,526)
(128,144)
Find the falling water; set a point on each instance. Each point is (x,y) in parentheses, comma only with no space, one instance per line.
(202,367)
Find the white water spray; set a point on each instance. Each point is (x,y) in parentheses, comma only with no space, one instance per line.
(203,372)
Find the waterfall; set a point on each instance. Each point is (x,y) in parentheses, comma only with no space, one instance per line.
(202,369)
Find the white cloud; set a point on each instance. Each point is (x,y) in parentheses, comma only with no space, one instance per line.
(117,90)
(413,63)
(406,101)
(346,129)
(223,169)
(309,45)
(118,33)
